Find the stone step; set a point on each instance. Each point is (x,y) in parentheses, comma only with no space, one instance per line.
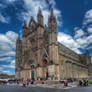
(49,82)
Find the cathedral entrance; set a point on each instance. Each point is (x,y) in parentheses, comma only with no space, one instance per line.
(32,70)
(32,75)
(47,76)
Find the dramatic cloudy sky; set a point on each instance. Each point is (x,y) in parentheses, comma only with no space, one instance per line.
(74,19)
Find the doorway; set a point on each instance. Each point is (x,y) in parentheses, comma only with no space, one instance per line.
(32,75)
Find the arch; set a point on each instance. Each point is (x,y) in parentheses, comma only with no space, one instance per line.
(33,75)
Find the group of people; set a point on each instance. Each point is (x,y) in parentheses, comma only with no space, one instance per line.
(27,83)
(83,82)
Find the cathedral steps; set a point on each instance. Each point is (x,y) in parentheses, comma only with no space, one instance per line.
(49,82)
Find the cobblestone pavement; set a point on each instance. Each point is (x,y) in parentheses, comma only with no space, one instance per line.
(15,88)
(60,86)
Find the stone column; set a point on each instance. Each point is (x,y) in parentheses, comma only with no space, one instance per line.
(74,75)
(70,68)
(65,70)
(76,72)
(68,64)
(39,72)
(51,70)
(57,72)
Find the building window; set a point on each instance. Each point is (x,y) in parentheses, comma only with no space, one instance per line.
(51,62)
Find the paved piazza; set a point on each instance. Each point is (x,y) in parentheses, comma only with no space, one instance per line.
(7,88)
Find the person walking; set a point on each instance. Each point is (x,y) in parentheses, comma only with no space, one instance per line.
(24,84)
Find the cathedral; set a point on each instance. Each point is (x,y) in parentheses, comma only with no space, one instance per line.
(39,55)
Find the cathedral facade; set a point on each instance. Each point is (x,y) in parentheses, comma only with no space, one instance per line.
(39,54)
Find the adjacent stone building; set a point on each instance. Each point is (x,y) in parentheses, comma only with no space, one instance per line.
(40,55)
(90,71)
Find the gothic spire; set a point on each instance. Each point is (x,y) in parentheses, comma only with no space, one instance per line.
(25,24)
(32,19)
(18,39)
(87,52)
(52,23)
(52,17)
(39,11)
(40,17)
(51,13)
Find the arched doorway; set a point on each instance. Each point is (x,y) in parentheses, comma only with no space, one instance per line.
(32,75)
(47,75)
(45,64)
(32,71)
